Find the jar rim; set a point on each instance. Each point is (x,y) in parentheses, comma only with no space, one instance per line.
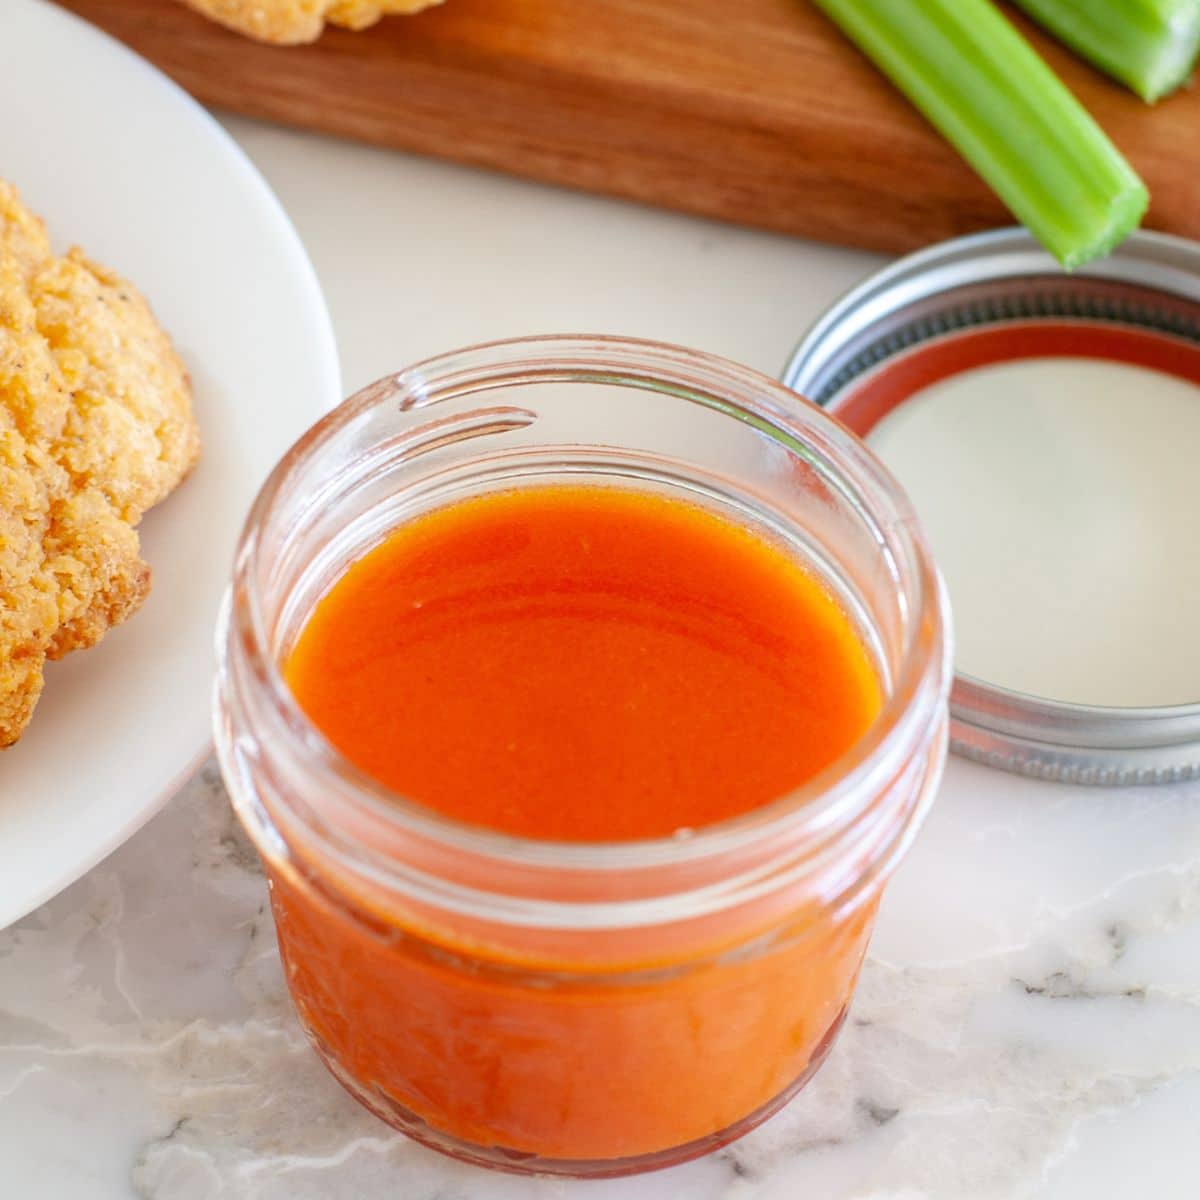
(826,803)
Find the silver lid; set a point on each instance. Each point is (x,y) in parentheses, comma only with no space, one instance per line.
(1152,283)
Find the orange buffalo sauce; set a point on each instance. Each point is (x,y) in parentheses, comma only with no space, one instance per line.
(587,664)
(580,664)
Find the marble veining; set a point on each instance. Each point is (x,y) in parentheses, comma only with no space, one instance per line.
(1024,994)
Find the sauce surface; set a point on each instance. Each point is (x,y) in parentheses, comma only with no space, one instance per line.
(585,664)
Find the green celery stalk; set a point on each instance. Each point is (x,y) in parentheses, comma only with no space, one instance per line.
(983,86)
(1149,45)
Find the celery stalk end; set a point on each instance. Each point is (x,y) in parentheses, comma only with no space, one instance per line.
(1174,66)
(1125,214)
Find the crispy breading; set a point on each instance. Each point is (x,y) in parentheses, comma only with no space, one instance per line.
(21,232)
(29,382)
(95,560)
(28,601)
(95,427)
(290,22)
(129,430)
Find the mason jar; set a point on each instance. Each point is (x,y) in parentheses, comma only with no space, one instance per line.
(584,1009)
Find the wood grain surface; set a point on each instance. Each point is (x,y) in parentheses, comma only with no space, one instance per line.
(752,111)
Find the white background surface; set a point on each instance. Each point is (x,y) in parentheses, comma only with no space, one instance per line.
(1029,1021)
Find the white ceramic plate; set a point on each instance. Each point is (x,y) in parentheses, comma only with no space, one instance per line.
(118,159)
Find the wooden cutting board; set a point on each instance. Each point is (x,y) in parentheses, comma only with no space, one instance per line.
(752,111)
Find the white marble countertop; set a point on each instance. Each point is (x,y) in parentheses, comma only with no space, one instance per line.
(1028,1023)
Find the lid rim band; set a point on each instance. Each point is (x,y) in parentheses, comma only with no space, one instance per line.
(1148,291)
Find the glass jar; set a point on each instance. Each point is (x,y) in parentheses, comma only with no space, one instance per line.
(579,1009)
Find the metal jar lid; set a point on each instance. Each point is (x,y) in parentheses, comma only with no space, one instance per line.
(1142,304)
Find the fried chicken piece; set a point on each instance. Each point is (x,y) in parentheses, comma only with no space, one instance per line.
(290,22)
(95,427)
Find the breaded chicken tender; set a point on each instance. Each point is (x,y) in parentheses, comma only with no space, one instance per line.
(95,427)
(290,22)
